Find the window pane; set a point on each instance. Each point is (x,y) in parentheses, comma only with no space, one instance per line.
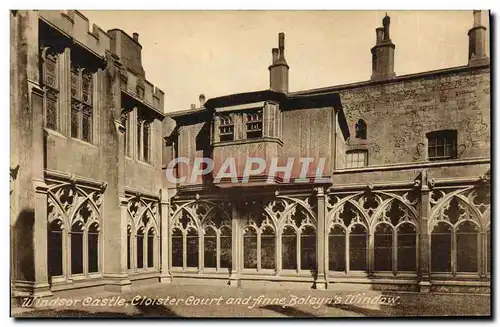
(432,152)
(176,248)
(74,84)
(383,248)
(54,250)
(128,249)
(210,252)
(87,88)
(432,142)
(138,138)
(267,249)
(151,242)
(250,249)
(289,248)
(357,250)
(225,248)
(140,249)
(93,249)
(145,146)
(308,249)
(336,249)
(467,238)
(407,248)
(488,251)
(356,159)
(442,145)
(76,251)
(440,151)
(50,72)
(441,248)
(74,119)
(87,124)
(51,111)
(192,248)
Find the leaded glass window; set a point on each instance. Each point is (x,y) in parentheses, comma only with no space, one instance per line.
(81,104)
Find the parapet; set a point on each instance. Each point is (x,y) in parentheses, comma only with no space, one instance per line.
(75,25)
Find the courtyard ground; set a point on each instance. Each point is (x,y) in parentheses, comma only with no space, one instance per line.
(214,301)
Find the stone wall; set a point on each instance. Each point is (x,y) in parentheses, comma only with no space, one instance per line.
(400,113)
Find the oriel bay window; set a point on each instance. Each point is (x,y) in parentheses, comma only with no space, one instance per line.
(81,104)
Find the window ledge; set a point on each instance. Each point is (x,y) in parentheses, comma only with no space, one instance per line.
(412,165)
(78,277)
(84,142)
(144,163)
(95,275)
(54,133)
(249,141)
(58,280)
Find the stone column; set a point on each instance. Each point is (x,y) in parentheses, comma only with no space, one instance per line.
(237,247)
(41,285)
(424,241)
(321,233)
(165,276)
(114,203)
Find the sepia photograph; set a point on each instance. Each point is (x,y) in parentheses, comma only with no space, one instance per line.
(250,163)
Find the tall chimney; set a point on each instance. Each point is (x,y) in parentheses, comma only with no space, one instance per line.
(202,100)
(380,34)
(281,45)
(383,53)
(278,71)
(477,39)
(275,55)
(135,37)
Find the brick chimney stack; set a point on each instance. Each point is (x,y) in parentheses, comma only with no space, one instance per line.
(477,42)
(278,71)
(383,53)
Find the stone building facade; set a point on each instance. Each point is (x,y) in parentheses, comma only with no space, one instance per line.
(401,200)
(86,140)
